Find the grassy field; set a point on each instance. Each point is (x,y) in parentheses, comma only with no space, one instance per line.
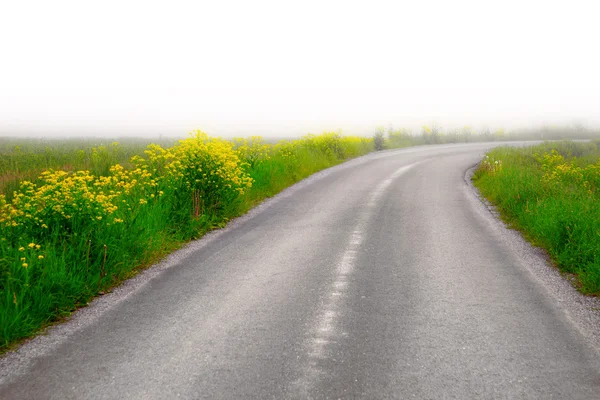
(551,192)
(25,159)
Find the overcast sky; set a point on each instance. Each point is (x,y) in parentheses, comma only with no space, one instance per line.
(288,67)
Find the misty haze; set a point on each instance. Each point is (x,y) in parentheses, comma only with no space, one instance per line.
(299,200)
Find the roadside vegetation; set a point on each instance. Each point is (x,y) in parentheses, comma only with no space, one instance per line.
(433,134)
(77,217)
(68,234)
(551,192)
(24,159)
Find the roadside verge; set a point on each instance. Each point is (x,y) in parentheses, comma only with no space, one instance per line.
(583,311)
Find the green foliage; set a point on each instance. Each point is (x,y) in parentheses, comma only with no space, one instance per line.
(433,134)
(26,159)
(552,193)
(379,140)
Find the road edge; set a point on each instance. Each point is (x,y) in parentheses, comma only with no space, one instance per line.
(583,311)
(15,362)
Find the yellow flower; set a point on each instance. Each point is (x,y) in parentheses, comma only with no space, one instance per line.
(21,248)
(23,259)
(25,265)
(40,257)
(31,245)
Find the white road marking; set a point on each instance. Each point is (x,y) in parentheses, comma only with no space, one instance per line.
(326,329)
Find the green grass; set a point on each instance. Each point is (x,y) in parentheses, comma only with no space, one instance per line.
(551,193)
(24,159)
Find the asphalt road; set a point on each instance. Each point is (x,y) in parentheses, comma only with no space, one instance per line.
(385,277)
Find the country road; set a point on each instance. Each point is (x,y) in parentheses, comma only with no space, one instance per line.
(385,277)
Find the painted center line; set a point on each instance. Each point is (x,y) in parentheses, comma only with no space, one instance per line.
(325,329)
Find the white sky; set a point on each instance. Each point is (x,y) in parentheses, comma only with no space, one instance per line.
(289,67)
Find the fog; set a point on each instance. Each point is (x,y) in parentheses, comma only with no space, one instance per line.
(276,69)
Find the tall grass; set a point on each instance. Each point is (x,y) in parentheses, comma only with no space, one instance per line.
(552,193)
(24,159)
(68,235)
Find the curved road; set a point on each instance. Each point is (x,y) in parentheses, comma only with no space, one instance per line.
(384,277)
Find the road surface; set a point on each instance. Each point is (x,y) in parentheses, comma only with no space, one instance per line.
(385,277)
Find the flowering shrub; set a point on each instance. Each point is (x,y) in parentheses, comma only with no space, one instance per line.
(206,170)
(252,151)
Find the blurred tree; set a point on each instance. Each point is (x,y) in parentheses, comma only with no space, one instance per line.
(379,139)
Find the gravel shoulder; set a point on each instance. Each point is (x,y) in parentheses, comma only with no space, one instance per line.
(582,310)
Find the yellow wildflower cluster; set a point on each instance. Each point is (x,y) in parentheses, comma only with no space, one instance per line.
(66,202)
(329,143)
(253,150)
(288,150)
(208,169)
(207,164)
(62,199)
(354,146)
(332,144)
(550,160)
(557,170)
(30,254)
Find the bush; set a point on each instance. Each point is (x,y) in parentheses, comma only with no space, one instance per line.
(379,141)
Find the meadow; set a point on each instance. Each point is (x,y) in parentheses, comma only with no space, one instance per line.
(551,192)
(24,159)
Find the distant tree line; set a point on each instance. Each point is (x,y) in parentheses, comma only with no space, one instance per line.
(433,134)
